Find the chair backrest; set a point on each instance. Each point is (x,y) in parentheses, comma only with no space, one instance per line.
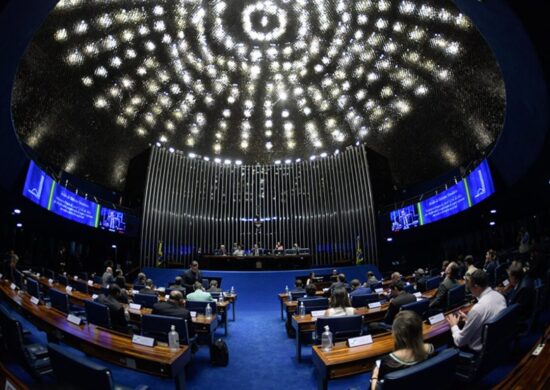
(59,300)
(153,325)
(33,287)
(296,295)
(409,288)
(145,300)
(200,307)
(433,282)
(433,373)
(419,307)
(363,299)
(342,328)
(456,296)
(215,295)
(18,278)
(500,330)
(81,285)
(97,279)
(138,287)
(49,273)
(62,279)
(83,275)
(314,304)
(98,314)
(77,371)
(15,342)
(205,283)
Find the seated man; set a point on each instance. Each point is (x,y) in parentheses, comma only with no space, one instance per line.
(178,284)
(149,288)
(214,286)
(451,274)
(490,304)
(340,283)
(298,286)
(141,279)
(116,310)
(199,295)
(371,280)
(420,278)
(399,297)
(311,292)
(521,291)
(174,307)
(395,276)
(357,289)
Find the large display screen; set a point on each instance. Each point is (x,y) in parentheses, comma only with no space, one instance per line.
(37,186)
(405,218)
(444,204)
(476,187)
(44,191)
(112,220)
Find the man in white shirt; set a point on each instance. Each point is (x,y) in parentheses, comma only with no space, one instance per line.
(490,304)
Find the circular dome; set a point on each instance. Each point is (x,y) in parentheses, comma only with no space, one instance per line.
(257,81)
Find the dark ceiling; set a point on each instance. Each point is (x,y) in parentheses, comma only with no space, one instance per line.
(258,82)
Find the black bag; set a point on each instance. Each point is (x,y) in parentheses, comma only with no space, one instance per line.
(219,354)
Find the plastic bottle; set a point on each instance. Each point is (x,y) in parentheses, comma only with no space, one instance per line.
(302,309)
(289,296)
(286,290)
(326,340)
(232,290)
(220,298)
(208,311)
(173,338)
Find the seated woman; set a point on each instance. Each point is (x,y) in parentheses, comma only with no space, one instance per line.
(409,346)
(340,304)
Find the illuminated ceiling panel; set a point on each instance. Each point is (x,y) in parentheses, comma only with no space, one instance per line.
(258,81)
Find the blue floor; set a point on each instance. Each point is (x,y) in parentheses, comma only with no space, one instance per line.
(260,353)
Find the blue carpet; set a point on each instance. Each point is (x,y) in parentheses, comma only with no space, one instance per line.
(260,353)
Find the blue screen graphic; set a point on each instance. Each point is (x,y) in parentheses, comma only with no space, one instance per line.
(404,218)
(445,204)
(480,183)
(37,185)
(71,206)
(112,220)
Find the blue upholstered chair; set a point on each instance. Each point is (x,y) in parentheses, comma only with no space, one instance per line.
(496,337)
(434,373)
(200,307)
(62,279)
(98,314)
(158,326)
(297,295)
(342,328)
(456,296)
(364,299)
(409,288)
(433,282)
(313,304)
(59,300)
(80,373)
(145,300)
(80,285)
(33,288)
(419,307)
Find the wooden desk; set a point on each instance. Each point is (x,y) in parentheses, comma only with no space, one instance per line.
(532,372)
(102,343)
(8,379)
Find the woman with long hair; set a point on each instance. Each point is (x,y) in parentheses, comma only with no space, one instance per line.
(340,304)
(409,347)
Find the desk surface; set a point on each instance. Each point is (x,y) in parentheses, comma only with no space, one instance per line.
(105,344)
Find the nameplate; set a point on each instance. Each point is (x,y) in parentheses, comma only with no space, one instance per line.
(69,289)
(50,281)
(90,283)
(193,314)
(374,305)
(37,275)
(76,278)
(74,319)
(506,283)
(167,297)
(35,300)
(94,296)
(379,290)
(142,340)
(437,318)
(326,289)
(13,286)
(134,292)
(418,295)
(317,313)
(135,306)
(361,340)
(1,276)
(161,289)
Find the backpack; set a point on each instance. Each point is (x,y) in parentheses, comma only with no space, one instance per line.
(219,354)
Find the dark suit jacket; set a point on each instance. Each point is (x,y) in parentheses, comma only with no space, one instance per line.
(116,311)
(440,299)
(173,310)
(395,305)
(360,291)
(524,295)
(147,291)
(190,278)
(490,270)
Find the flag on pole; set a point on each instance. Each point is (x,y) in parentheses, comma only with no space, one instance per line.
(359,259)
(160,254)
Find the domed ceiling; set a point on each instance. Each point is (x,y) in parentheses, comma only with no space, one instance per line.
(256,82)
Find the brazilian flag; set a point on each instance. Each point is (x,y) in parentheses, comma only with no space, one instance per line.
(359,259)
(160,254)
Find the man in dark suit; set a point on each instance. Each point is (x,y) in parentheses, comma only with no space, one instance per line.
(192,276)
(178,285)
(311,292)
(298,286)
(451,274)
(522,291)
(174,307)
(149,288)
(340,282)
(490,266)
(357,289)
(399,298)
(116,310)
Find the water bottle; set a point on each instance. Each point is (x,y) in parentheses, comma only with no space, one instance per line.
(220,297)
(289,296)
(208,311)
(173,338)
(232,290)
(286,290)
(326,340)
(302,309)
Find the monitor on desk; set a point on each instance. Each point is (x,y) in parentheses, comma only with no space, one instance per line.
(278,251)
(291,252)
(303,251)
